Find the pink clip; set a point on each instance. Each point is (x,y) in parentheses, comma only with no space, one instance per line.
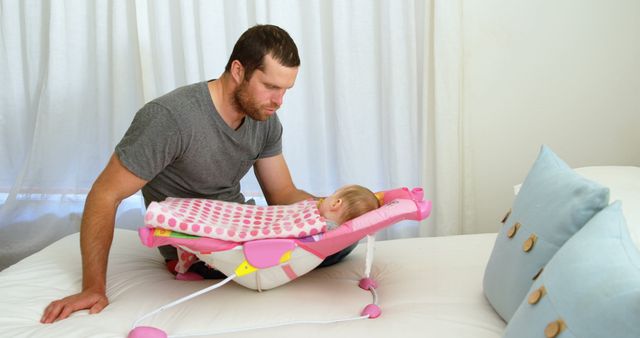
(371,310)
(146,332)
(367,284)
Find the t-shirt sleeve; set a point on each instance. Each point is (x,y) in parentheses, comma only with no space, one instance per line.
(151,143)
(273,144)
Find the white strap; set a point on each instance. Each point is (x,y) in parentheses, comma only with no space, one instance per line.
(268,326)
(371,239)
(184,299)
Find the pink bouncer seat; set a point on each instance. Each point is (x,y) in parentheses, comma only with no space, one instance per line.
(266,263)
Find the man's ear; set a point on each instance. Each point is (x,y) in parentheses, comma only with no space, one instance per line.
(237,71)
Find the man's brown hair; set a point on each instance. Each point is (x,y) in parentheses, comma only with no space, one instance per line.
(261,40)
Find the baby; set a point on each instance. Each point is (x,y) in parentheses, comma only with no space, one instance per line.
(238,222)
(345,204)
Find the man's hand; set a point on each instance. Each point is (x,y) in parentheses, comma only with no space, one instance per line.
(113,185)
(63,308)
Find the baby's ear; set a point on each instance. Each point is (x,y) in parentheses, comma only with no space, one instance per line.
(337,204)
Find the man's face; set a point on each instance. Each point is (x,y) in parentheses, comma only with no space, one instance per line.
(261,96)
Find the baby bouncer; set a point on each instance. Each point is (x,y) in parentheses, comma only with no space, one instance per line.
(265,263)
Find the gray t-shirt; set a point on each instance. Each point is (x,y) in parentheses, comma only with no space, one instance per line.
(182,146)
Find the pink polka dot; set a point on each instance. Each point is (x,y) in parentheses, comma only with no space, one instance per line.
(242,235)
(307,215)
(300,225)
(164,209)
(246,221)
(160,219)
(277,230)
(311,222)
(268,219)
(172,222)
(257,222)
(218,207)
(184,226)
(297,220)
(239,208)
(148,216)
(254,233)
(195,228)
(266,231)
(207,229)
(219,231)
(313,232)
(302,234)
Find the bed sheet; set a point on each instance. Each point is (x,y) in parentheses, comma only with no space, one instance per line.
(428,287)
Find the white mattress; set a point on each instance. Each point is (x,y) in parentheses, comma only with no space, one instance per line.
(428,287)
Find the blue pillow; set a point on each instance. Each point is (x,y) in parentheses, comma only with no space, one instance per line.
(590,288)
(553,204)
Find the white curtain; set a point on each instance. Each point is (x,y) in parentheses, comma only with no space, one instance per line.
(365,108)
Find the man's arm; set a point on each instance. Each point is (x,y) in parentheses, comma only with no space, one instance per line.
(114,184)
(275,181)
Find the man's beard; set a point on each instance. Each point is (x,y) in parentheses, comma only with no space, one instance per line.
(246,104)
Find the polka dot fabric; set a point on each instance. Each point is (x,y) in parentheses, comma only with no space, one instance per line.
(233,221)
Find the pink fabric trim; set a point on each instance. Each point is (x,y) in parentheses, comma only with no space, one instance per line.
(185,260)
(289,272)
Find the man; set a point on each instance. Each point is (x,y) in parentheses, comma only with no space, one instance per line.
(194,142)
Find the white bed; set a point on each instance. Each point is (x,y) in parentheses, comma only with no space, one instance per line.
(428,287)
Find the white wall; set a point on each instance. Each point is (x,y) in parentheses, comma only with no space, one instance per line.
(562,73)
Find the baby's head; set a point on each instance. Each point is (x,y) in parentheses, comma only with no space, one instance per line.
(348,203)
